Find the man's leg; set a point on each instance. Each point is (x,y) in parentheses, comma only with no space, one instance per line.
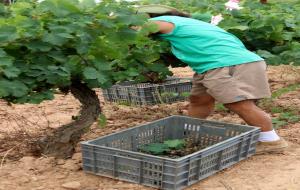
(241,84)
(251,114)
(201,106)
(269,141)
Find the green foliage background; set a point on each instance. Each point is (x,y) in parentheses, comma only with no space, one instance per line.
(48,45)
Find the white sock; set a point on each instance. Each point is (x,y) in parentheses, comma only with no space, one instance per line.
(268,136)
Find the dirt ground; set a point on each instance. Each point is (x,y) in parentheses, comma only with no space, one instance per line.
(21,170)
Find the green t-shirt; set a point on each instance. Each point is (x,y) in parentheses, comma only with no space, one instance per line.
(204,46)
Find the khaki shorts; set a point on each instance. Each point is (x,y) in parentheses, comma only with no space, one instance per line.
(234,83)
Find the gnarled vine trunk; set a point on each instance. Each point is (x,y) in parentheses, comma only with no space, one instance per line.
(61,142)
(6,2)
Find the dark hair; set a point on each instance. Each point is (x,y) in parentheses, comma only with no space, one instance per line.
(170,13)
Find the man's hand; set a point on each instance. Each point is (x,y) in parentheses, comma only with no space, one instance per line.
(137,28)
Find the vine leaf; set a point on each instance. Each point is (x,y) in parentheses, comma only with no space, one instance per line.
(175,144)
(155,148)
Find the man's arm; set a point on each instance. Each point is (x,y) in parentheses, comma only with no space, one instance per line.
(164,27)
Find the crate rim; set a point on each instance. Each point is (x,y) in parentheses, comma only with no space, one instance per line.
(211,148)
(174,116)
(188,80)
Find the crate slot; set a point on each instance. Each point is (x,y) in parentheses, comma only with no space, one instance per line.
(172,90)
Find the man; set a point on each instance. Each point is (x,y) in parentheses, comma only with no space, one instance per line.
(225,71)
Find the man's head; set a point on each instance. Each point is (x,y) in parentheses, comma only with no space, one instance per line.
(161,10)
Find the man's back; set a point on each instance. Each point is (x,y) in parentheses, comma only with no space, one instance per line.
(204,46)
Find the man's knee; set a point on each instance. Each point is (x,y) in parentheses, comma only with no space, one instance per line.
(201,106)
(205,100)
(242,106)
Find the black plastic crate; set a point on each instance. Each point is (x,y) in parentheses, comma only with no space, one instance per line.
(117,155)
(130,93)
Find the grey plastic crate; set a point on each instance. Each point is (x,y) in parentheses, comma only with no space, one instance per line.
(117,155)
(172,90)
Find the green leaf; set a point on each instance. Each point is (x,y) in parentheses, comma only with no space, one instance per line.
(127,35)
(100,63)
(102,120)
(90,73)
(13,88)
(60,8)
(11,72)
(27,27)
(257,24)
(206,17)
(175,144)
(169,94)
(54,39)
(155,148)
(149,28)
(6,61)
(130,19)
(265,54)
(101,77)
(2,53)
(147,57)
(242,28)
(8,33)
(288,35)
(21,8)
(37,97)
(132,72)
(4,91)
(87,4)
(289,117)
(2,9)
(58,56)
(157,67)
(64,35)
(185,94)
(39,46)
(73,65)
(277,123)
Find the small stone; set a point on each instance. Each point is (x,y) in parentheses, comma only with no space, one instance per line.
(42,177)
(60,162)
(27,159)
(39,188)
(23,180)
(5,172)
(110,122)
(78,147)
(60,176)
(77,157)
(71,165)
(45,164)
(155,107)
(74,185)
(90,188)
(131,186)
(48,160)
(18,174)
(28,162)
